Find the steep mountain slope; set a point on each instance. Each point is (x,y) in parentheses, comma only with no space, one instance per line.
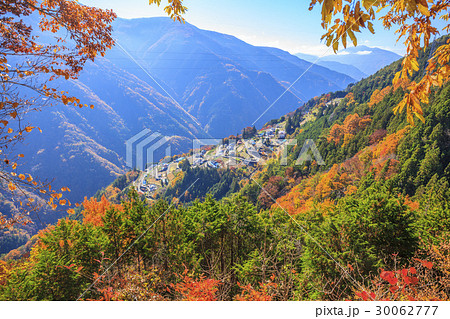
(83,148)
(215,76)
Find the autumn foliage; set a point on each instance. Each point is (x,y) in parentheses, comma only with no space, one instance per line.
(415,22)
(340,179)
(201,289)
(370,224)
(378,95)
(425,279)
(351,126)
(94,211)
(28,68)
(264,293)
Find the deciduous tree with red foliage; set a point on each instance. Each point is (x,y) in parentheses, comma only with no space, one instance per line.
(425,279)
(264,293)
(271,191)
(94,210)
(202,289)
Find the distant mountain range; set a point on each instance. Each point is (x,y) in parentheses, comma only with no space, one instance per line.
(222,81)
(357,62)
(173,78)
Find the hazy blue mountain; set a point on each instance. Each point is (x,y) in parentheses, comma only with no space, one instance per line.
(368,60)
(357,62)
(363,58)
(313,78)
(307,57)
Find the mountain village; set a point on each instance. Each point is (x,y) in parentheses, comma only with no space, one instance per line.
(265,144)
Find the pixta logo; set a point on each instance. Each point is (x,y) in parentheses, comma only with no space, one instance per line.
(308,153)
(142,149)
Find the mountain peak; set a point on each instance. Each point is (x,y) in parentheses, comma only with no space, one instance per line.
(366,59)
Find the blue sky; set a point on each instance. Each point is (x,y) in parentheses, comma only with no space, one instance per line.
(286,24)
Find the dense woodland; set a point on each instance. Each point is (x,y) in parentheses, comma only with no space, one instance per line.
(372,223)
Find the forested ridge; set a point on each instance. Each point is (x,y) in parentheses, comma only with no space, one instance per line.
(372,223)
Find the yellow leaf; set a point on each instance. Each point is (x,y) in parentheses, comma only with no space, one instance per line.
(420,116)
(344,40)
(410,118)
(352,37)
(370,26)
(424,10)
(414,64)
(367,4)
(327,9)
(396,78)
(400,106)
(329,40)
(11,186)
(335,46)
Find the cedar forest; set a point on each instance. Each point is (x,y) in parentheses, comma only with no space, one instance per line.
(371,224)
